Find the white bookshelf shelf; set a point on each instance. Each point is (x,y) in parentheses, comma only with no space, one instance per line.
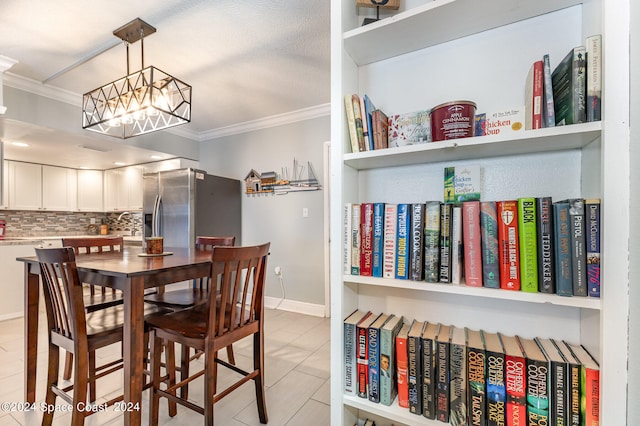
(532,141)
(393,411)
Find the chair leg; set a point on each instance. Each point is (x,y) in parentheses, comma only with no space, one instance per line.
(52,379)
(170,362)
(80,382)
(92,380)
(68,366)
(154,399)
(258,364)
(230,357)
(184,369)
(210,379)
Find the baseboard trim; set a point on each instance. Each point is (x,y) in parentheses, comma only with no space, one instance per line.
(294,306)
(12,315)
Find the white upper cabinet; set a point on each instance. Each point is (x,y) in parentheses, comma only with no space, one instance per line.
(123,189)
(90,191)
(37,187)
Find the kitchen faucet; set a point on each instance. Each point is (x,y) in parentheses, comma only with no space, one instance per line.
(122,214)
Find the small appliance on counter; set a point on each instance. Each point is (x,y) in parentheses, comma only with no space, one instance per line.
(3,228)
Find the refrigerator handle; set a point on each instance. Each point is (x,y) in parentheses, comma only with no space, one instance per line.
(155,227)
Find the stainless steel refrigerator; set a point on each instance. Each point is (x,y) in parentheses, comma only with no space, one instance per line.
(182,204)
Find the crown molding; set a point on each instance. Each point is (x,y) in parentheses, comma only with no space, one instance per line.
(37,88)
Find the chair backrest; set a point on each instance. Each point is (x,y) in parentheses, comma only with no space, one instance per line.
(240,274)
(63,293)
(208,243)
(87,245)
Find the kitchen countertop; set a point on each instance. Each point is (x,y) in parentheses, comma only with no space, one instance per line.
(37,240)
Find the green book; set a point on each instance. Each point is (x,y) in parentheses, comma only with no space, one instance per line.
(528,244)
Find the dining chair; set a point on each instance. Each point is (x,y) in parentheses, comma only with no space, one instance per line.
(239,273)
(79,332)
(188,297)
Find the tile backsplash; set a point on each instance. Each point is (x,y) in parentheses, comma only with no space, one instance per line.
(22,223)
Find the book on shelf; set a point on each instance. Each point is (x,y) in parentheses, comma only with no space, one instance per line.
(365,126)
(380,129)
(537,383)
(388,377)
(496,386)
(562,247)
(592,209)
(533,96)
(432,242)
(546,249)
(574,416)
(548,112)
(508,253)
(359,123)
(462,183)
(445,242)
(569,86)
(402,366)
(472,243)
(409,129)
(501,122)
(346,239)
(593,46)
(414,372)
(378,239)
(476,379)
(429,370)
(350,344)
(489,244)
(416,248)
(355,239)
(578,246)
(456,245)
(515,379)
(366,239)
(442,373)
(369,108)
(362,330)
(589,385)
(402,242)
(351,123)
(389,245)
(458,377)
(558,382)
(528,244)
(373,357)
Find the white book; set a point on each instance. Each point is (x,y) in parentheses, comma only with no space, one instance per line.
(389,245)
(594,77)
(355,239)
(456,245)
(346,239)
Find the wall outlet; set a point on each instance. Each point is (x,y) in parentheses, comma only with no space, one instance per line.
(305,212)
(92,221)
(277,270)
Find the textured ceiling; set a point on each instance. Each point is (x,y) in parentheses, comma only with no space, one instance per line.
(246,59)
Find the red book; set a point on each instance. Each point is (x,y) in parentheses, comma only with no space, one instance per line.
(515,381)
(402,366)
(533,94)
(363,354)
(590,375)
(508,245)
(366,239)
(472,246)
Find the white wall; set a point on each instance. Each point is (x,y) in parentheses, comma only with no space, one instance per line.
(296,242)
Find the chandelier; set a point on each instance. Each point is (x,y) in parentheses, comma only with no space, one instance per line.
(140,102)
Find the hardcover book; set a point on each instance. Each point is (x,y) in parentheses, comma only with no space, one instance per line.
(373,356)
(366,239)
(462,183)
(594,77)
(508,244)
(346,239)
(548,112)
(533,96)
(445,242)
(416,252)
(515,380)
(558,382)
(429,370)
(351,123)
(537,383)
(378,239)
(402,366)
(568,80)
(369,107)
(590,385)
(350,343)
(390,234)
(402,242)
(578,246)
(409,129)
(388,376)
(414,352)
(574,416)
(432,242)
(456,245)
(380,129)
(362,330)
(501,122)
(472,243)
(359,123)
(592,207)
(355,239)
(476,379)
(458,378)
(562,230)
(546,252)
(489,240)
(496,388)
(442,373)
(368,142)
(528,245)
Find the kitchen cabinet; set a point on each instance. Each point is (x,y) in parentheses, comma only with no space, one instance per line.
(433,52)
(90,190)
(38,187)
(59,189)
(123,189)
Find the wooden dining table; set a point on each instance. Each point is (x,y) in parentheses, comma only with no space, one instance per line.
(131,273)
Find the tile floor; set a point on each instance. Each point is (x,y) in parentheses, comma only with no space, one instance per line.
(297,372)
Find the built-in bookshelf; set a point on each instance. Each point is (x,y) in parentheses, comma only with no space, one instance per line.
(431,52)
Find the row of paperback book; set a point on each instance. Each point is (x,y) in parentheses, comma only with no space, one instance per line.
(529,244)
(469,377)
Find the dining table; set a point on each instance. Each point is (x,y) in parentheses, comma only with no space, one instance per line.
(131,271)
